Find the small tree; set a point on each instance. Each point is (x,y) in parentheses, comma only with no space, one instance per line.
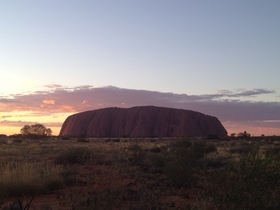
(36,129)
(233,135)
(244,134)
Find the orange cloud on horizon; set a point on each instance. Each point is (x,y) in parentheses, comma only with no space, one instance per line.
(11,130)
(237,127)
(233,128)
(49,102)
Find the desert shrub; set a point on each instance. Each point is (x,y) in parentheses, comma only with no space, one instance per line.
(17,141)
(24,178)
(213,136)
(199,149)
(183,143)
(65,138)
(125,198)
(75,155)
(179,174)
(3,141)
(116,140)
(241,150)
(155,149)
(113,140)
(35,136)
(158,160)
(253,182)
(70,177)
(108,140)
(83,140)
(213,162)
(20,204)
(182,161)
(100,200)
(137,155)
(273,151)
(145,199)
(185,151)
(20,136)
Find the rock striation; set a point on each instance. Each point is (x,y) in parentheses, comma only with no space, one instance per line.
(142,121)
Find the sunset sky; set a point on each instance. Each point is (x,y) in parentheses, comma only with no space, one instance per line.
(218,57)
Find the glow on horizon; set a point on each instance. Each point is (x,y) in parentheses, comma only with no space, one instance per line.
(9,130)
(52,105)
(12,122)
(230,127)
(217,57)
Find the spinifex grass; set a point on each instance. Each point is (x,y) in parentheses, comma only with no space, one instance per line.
(252,182)
(25,178)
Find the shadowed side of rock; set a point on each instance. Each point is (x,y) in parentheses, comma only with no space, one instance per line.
(145,121)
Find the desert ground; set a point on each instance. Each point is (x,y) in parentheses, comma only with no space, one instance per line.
(147,173)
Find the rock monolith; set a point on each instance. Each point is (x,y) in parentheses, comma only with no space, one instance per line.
(142,121)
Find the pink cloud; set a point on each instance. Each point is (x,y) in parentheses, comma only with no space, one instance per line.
(20,123)
(58,99)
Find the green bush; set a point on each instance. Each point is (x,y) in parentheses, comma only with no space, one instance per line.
(253,182)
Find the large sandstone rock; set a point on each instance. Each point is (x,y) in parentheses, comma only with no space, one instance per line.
(145,121)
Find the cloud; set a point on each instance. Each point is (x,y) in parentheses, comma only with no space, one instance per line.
(53,86)
(84,98)
(254,92)
(49,101)
(20,123)
(240,93)
(6,116)
(58,99)
(7,100)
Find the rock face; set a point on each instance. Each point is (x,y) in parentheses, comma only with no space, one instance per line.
(145,121)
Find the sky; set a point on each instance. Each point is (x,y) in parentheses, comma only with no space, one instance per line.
(218,57)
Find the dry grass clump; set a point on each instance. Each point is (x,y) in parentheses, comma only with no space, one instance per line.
(183,159)
(76,155)
(25,178)
(252,182)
